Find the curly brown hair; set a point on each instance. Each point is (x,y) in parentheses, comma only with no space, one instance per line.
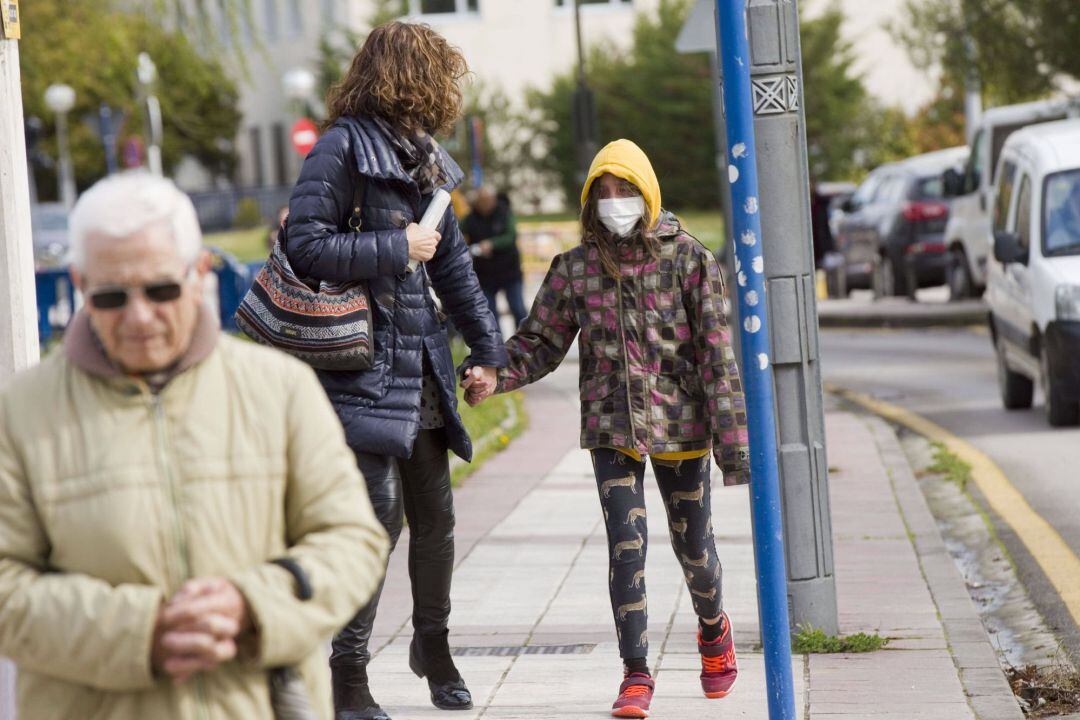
(405,73)
(592,230)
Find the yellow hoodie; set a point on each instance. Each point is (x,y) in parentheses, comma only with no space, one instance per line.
(624,159)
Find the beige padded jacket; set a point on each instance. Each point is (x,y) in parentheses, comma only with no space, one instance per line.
(111,497)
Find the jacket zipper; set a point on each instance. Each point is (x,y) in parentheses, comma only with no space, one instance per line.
(183,551)
(626,362)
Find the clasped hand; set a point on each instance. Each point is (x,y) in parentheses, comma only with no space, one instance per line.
(479,384)
(197,629)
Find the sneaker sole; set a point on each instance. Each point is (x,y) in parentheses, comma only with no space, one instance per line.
(720,693)
(630,712)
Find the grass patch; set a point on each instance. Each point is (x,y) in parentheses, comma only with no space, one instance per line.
(947,464)
(810,640)
(245,245)
(485,423)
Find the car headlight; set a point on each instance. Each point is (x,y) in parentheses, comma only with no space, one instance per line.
(1067,299)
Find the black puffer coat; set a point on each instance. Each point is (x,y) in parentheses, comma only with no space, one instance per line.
(380,408)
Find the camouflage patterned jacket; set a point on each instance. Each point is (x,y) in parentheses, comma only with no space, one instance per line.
(657,371)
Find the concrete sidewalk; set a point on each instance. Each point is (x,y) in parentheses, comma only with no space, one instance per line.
(532,624)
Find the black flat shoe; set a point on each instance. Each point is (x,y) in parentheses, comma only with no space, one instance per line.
(352,698)
(430,657)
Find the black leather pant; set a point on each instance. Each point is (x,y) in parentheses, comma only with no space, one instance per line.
(419,486)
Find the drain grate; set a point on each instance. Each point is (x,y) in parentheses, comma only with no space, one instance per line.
(513,650)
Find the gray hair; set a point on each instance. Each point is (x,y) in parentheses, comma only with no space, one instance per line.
(125,203)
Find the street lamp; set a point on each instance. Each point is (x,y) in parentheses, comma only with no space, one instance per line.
(584,106)
(61,99)
(146,72)
(298,84)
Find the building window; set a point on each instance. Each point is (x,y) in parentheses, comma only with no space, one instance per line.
(257,168)
(329,12)
(296,19)
(443,7)
(280,150)
(570,3)
(271,20)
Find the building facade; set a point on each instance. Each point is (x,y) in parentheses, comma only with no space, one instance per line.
(512,44)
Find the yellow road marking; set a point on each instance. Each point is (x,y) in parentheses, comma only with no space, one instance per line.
(1057,560)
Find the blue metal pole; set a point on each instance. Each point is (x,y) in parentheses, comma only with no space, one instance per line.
(745,235)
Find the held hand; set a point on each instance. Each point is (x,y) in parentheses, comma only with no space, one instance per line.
(487,248)
(197,629)
(422,242)
(479,384)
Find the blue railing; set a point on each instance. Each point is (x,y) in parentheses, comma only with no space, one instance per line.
(57,299)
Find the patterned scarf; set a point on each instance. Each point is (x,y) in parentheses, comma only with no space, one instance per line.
(419,155)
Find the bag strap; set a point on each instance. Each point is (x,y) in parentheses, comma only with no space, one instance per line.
(354,222)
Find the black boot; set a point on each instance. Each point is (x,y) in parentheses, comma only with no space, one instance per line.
(430,657)
(352,699)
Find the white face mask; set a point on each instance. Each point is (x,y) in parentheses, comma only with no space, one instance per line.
(621,215)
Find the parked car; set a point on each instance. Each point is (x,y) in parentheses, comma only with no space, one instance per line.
(49,232)
(891,236)
(1033,281)
(968,233)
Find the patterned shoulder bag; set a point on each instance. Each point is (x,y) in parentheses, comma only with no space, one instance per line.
(326,325)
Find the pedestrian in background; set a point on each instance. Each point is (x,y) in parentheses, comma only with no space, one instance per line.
(658,378)
(491,233)
(400,416)
(179,512)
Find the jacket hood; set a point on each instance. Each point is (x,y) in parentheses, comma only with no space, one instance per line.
(375,157)
(624,159)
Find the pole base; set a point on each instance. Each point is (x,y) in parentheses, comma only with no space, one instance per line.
(812,603)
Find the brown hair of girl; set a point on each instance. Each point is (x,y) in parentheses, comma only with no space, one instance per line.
(592,230)
(405,73)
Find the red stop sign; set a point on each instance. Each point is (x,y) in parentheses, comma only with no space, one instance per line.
(304,135)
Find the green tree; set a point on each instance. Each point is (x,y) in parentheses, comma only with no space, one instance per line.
(76,42)
(1018,48)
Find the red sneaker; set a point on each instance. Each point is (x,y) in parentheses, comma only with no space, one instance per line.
(718,668)
(635,695)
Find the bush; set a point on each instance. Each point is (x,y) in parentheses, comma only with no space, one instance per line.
(248,214)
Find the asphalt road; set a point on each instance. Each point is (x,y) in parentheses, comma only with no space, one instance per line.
(949,376)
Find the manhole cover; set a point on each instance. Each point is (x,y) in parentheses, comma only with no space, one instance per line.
(512,650)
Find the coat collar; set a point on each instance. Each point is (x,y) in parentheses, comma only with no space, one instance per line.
(84,350)
(375,157)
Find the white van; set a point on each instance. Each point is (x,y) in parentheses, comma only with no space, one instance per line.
(1033,282)
(967,234)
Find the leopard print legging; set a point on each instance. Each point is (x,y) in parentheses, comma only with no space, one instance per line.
(684,487)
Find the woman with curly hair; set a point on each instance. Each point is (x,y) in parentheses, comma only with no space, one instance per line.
(378,154)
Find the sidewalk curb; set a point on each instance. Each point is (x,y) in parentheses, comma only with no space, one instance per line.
(915,316)
(981,676)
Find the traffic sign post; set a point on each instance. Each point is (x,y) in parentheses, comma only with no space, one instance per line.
(304,135)
(745,234)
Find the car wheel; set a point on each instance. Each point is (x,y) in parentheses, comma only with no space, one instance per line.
(883,280)
(911,282)
(959,276)
(1017,391)
(1060,410)
(836,282)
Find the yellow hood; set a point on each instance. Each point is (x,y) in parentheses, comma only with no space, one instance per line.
(626,160)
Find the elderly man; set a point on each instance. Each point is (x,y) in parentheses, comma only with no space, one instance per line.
(179,512)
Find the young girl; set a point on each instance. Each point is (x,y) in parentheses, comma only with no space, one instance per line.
(658,378)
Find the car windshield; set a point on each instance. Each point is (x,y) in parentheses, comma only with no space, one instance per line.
(50,220)
(1061,203)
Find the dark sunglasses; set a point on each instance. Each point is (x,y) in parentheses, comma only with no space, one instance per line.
(114,298)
